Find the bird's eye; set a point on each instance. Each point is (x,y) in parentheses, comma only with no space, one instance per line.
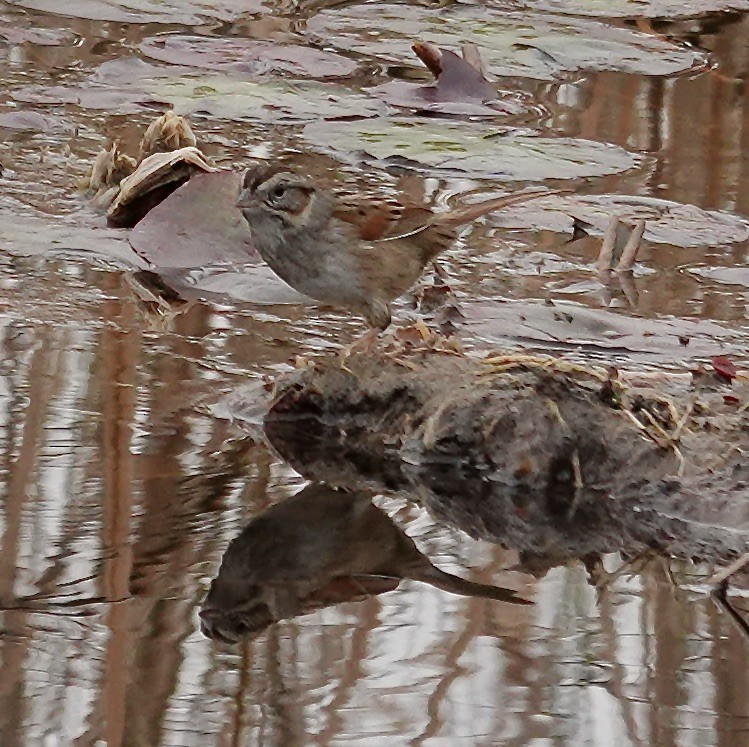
(278,192)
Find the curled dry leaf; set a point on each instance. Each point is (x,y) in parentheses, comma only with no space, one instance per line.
(168,133)
(110,167)
(461,86)
(156,177)
(128,189)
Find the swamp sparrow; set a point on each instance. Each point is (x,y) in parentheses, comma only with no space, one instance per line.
(351,253)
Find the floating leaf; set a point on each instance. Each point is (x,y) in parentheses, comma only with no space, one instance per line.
(533,45)
(475,149)
(239,55)
(187,12)
(24,231)
(729,275)
(201,247)
(127,85)
(638,8)
(40,37)
(276,100)
(564,325)
(196,225)
(22,119)
(666,222)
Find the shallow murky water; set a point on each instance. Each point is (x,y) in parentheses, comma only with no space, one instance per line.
(122,486)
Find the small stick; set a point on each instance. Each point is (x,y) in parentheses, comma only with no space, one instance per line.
(579,485)
(472,56)
(723,574)
(606,256)
(631,248)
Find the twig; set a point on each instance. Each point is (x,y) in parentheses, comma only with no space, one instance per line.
(631,248)
(579,485)
(722,575)
(606,256)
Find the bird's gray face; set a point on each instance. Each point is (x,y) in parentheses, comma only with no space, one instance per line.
(233,610)
(270,193)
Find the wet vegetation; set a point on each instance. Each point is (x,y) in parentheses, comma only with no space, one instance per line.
(558,414)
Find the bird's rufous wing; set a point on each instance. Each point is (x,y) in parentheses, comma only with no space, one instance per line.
(378,219)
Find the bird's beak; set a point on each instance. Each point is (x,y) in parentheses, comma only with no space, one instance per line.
(244,199)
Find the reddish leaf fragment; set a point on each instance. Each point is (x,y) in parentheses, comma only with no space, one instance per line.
(724,367)
(731,399)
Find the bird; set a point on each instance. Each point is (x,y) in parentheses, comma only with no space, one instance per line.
(320,547)
(351,252)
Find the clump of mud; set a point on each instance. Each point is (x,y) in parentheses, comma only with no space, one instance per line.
(540,455)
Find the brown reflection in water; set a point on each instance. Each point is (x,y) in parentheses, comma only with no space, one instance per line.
(30,393)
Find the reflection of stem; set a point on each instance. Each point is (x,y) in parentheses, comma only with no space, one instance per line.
(352,669)
(631,248)
(117,356)
(241,694)
(21,476)
(452,670)
(616,687)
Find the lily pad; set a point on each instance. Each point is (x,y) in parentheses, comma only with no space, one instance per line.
(40,37)
(271,101)
(27,232)
(239,55)
(638,8)
(726,275)
(569,326)
(31,121)
(666,222)
(196,225)
(187,12)
(471,148)
(533,45)
(127,86)
(201,247)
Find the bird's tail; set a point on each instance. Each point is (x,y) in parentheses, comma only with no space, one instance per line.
(468,213)
(457,585)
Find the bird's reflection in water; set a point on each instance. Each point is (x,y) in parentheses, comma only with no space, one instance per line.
(318,548)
